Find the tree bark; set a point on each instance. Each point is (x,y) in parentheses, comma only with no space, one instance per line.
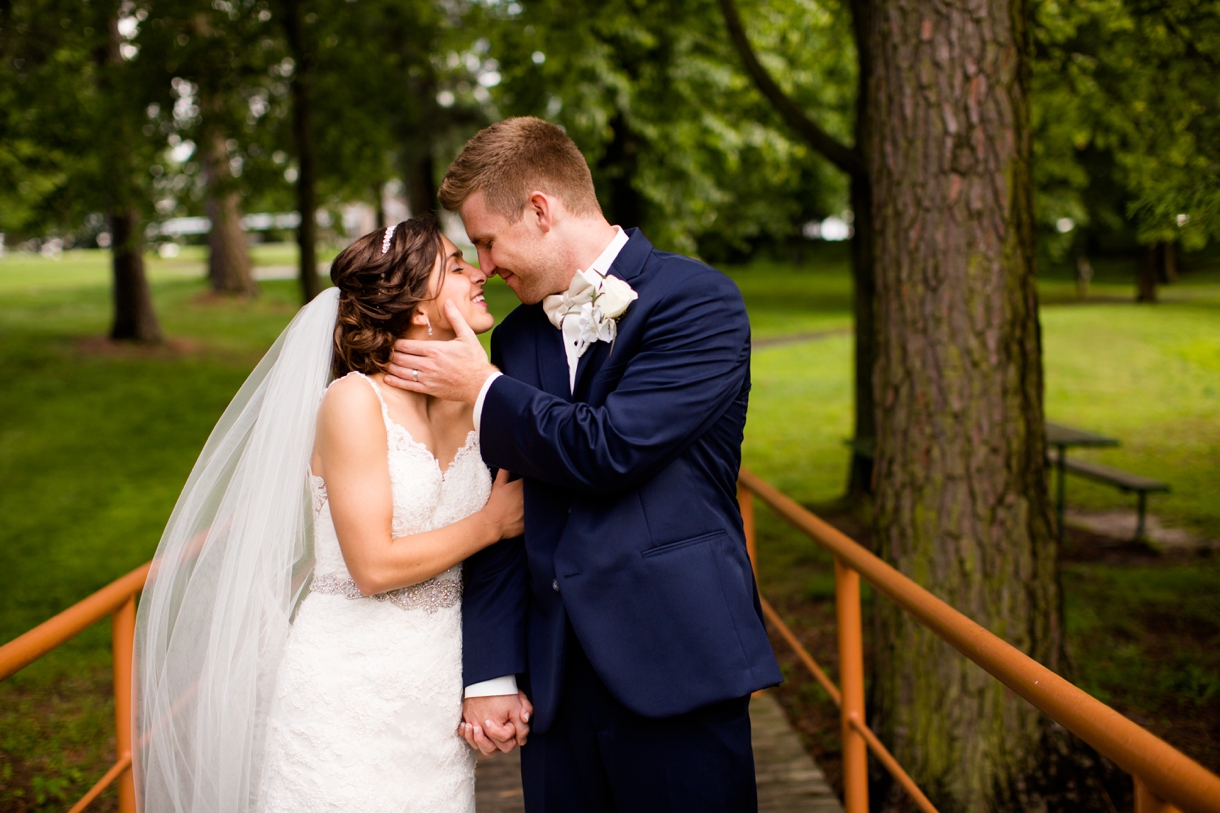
(1146,281)
(1164,257)
(303,135)
(379,204)
(417,129)
(619,164)
(420,174)
(961,500)
(1169,262)
(229,259)
(134,316)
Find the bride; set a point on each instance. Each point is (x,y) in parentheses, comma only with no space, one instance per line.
(299,639)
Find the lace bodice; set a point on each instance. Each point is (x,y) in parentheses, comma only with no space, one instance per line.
(425,498)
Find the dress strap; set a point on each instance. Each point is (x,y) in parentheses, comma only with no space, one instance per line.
(385,410)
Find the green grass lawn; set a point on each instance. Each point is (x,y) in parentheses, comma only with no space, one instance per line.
(95,443)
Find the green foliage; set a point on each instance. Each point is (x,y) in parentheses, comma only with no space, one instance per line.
(214,70)
(1126,116)
(71,143)
(677,137)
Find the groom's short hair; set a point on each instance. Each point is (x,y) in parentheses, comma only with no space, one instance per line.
(515,157)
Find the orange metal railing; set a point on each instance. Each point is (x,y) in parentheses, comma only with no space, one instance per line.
(117,600)
(1166,780)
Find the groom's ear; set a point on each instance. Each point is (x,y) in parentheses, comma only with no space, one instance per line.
(540,208)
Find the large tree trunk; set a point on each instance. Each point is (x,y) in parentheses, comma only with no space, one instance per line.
(134,317)
(303,134)
(229,259)
(961,499)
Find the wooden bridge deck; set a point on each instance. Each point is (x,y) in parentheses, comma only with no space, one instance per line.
(788,780)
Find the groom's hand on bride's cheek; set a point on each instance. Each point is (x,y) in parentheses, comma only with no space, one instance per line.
(453,370)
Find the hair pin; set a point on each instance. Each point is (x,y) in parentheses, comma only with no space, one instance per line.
(389,235)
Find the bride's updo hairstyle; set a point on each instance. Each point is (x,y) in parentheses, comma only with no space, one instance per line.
(379,292)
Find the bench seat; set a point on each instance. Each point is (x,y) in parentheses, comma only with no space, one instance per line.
(1124,480)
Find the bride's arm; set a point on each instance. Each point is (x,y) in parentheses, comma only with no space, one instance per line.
(351,443)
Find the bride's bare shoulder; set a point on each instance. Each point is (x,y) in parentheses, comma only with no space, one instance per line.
(349,397)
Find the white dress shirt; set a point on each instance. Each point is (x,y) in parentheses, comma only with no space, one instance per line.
(508,683)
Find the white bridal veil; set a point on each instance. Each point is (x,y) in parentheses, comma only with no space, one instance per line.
(227,575)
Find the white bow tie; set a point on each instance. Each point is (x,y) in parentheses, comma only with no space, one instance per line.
(579,294)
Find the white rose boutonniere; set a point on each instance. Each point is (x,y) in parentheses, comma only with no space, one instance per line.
(613,295)
(588,312)
(610,297)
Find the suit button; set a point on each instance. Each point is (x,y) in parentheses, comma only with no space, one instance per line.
(555,585)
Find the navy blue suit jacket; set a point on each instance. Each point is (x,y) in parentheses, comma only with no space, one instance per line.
(632,528)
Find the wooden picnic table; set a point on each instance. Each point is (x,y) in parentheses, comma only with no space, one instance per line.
(1062,438)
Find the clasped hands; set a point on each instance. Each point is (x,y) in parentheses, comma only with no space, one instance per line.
(450,370)
(496,723)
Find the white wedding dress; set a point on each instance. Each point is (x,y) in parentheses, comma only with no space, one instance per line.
(369,692)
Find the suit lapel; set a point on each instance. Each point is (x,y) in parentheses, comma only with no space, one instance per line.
(594,357)
(552,361)
(627,266)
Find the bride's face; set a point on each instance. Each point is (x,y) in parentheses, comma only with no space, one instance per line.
(455,280)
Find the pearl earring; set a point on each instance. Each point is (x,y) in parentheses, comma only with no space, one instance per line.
(429,323)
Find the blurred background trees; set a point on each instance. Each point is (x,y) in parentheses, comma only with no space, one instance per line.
(236,106)
(1127,129)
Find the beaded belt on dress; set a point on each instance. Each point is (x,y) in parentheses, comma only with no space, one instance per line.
(431,595)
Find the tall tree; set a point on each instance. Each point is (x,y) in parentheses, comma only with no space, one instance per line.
(949,371)
(961,498)
(229,267)
(1127,129)
(297,22)
(78,143)
(850,160)
(218,64)
(200,61)
(134,317)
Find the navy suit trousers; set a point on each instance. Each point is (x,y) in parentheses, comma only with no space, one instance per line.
(600,757)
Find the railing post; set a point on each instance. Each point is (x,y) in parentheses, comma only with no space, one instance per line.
(1148,802)
(745,499)
(123,633)
(851,685)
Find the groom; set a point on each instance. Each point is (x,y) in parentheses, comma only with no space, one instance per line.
(628,611)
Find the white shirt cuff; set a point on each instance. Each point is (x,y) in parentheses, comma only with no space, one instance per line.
(493,687)
(478,403)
